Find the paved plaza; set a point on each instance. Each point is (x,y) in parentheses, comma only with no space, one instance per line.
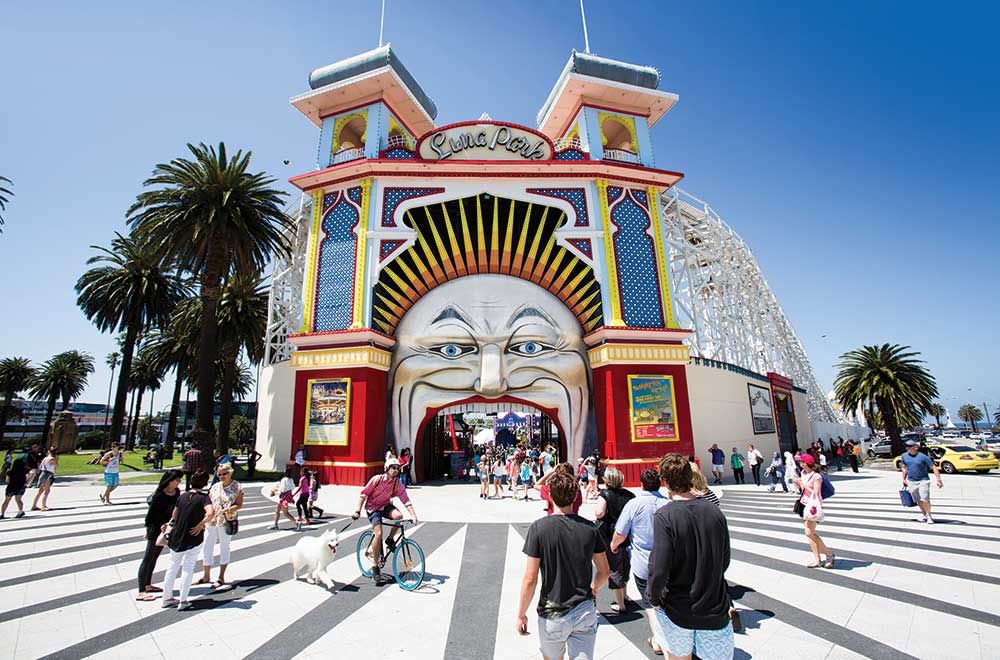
(901,589)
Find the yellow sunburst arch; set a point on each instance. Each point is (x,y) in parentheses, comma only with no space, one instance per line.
(485,234)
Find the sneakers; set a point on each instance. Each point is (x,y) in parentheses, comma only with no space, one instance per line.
(922,519)
(929,521)
(169,602)
(20,514)
(390,544)
(273,527)
(381,580)
(298,526)
(186,605)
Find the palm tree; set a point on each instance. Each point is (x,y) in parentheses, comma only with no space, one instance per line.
(214,218)
(971,414)
(887,378)
(131,290)
(173,348)
(242,428)
(63,376)
(936,410)
(112,361)
(145,375)
(15,375)
(5,195)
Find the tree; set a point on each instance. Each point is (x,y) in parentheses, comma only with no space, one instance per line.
(111,360)
(146,376)
(130,290)
(15,375)
(147,431)
(63,376)
(936,410)
(173,348)
(5,195)
(970,414)
(886,378)
(215,218)
(241,429)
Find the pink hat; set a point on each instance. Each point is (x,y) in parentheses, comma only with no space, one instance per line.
(806,458)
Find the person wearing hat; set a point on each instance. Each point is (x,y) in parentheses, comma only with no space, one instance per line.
(916,468)
(376,498)
(811,486)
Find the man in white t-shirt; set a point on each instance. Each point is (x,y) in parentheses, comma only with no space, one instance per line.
(754,459)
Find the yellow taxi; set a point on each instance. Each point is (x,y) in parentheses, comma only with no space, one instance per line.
(958,458)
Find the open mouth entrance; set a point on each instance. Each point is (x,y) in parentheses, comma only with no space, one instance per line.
(450,437)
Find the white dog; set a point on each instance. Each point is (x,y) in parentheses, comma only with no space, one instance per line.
(315,554)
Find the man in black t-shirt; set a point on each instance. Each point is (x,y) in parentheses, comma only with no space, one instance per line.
(563,546)
(687,567)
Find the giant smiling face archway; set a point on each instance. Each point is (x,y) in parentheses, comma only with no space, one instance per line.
(489,338)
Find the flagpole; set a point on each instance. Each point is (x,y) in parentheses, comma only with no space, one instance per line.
(583,14)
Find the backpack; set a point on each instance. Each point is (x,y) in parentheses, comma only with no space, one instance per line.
(826,490)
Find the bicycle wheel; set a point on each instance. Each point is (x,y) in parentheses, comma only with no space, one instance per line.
(408,565)
(365,562)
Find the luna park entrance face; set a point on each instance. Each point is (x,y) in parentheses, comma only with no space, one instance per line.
(454,436)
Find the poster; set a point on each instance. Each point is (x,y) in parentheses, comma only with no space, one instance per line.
(760,409)
(652,408)
(327,411)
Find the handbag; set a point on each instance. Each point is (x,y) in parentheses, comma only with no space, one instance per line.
(232,526)
(164,538)
(799,508)
(813,509)
(906,498)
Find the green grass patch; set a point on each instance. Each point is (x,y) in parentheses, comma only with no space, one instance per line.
(131,461)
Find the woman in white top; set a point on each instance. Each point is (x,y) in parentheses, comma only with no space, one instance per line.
(227,498)
(284,492)
(46,477)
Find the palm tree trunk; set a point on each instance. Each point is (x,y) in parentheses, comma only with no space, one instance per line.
(7,398)
(48,421)
(211,292)
(104,440)
(130,442)
(121,393)
(225,402)
(937,420)
(888,412)
(175,403)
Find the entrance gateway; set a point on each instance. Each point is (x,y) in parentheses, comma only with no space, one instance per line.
(483,265)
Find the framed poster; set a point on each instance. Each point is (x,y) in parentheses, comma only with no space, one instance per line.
(761,411)
(328,411)
(652,408)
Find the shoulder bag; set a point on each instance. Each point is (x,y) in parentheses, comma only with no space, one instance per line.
(164,538)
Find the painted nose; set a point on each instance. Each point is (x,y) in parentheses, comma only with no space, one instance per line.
(492,379)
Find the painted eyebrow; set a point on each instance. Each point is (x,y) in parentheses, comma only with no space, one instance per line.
(452,312)
(530,311)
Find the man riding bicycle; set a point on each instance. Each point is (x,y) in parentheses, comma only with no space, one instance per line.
(376,498)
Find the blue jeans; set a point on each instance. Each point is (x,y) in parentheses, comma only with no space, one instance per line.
(776,478)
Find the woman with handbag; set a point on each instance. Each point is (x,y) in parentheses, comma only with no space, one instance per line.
(161,506)
(227,498)
(810,507)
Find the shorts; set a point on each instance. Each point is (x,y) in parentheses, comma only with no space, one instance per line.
(375,517)
(717,467)
(110,479)
(483,477)
(15,491)
(920,490)
(640,584)
(708,644)
(575,632)
(45,477)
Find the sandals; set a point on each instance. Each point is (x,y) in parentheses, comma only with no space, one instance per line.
(220,584)
(814,564)
(616,608)
(652,647)
(830,560)
(201,581)
(147,596)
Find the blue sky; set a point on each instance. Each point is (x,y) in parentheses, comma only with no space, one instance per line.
(853,145)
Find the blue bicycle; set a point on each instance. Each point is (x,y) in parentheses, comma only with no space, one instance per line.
(407,557)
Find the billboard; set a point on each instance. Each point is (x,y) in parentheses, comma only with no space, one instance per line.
(328,411)
(761,412)
(652,408)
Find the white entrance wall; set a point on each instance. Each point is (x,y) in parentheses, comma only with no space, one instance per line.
(275,404)
(720,414)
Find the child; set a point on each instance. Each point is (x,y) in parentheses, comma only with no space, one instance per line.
(483,468)
(302,504)
(284,491)
(314,494)
(525,478)
(498,475)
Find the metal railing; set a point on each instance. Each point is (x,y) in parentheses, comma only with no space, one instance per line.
(621,155)
(345,155)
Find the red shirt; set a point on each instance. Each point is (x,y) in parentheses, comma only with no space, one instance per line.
(550,507)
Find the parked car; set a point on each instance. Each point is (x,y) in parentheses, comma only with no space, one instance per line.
(880,449)
(958,458)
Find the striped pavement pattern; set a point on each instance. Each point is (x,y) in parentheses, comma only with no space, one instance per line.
(901,589)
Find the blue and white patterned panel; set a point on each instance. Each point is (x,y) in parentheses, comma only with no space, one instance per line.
(635,258)
(388,247)
(570,154)
(398,153)
(583,245)
(393,197)
(575,196)
(336,263)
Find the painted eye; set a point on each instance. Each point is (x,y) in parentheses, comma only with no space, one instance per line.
(453,351)
(529,348)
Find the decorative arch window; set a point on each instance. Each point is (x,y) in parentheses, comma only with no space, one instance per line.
(618,137)
(349,137)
